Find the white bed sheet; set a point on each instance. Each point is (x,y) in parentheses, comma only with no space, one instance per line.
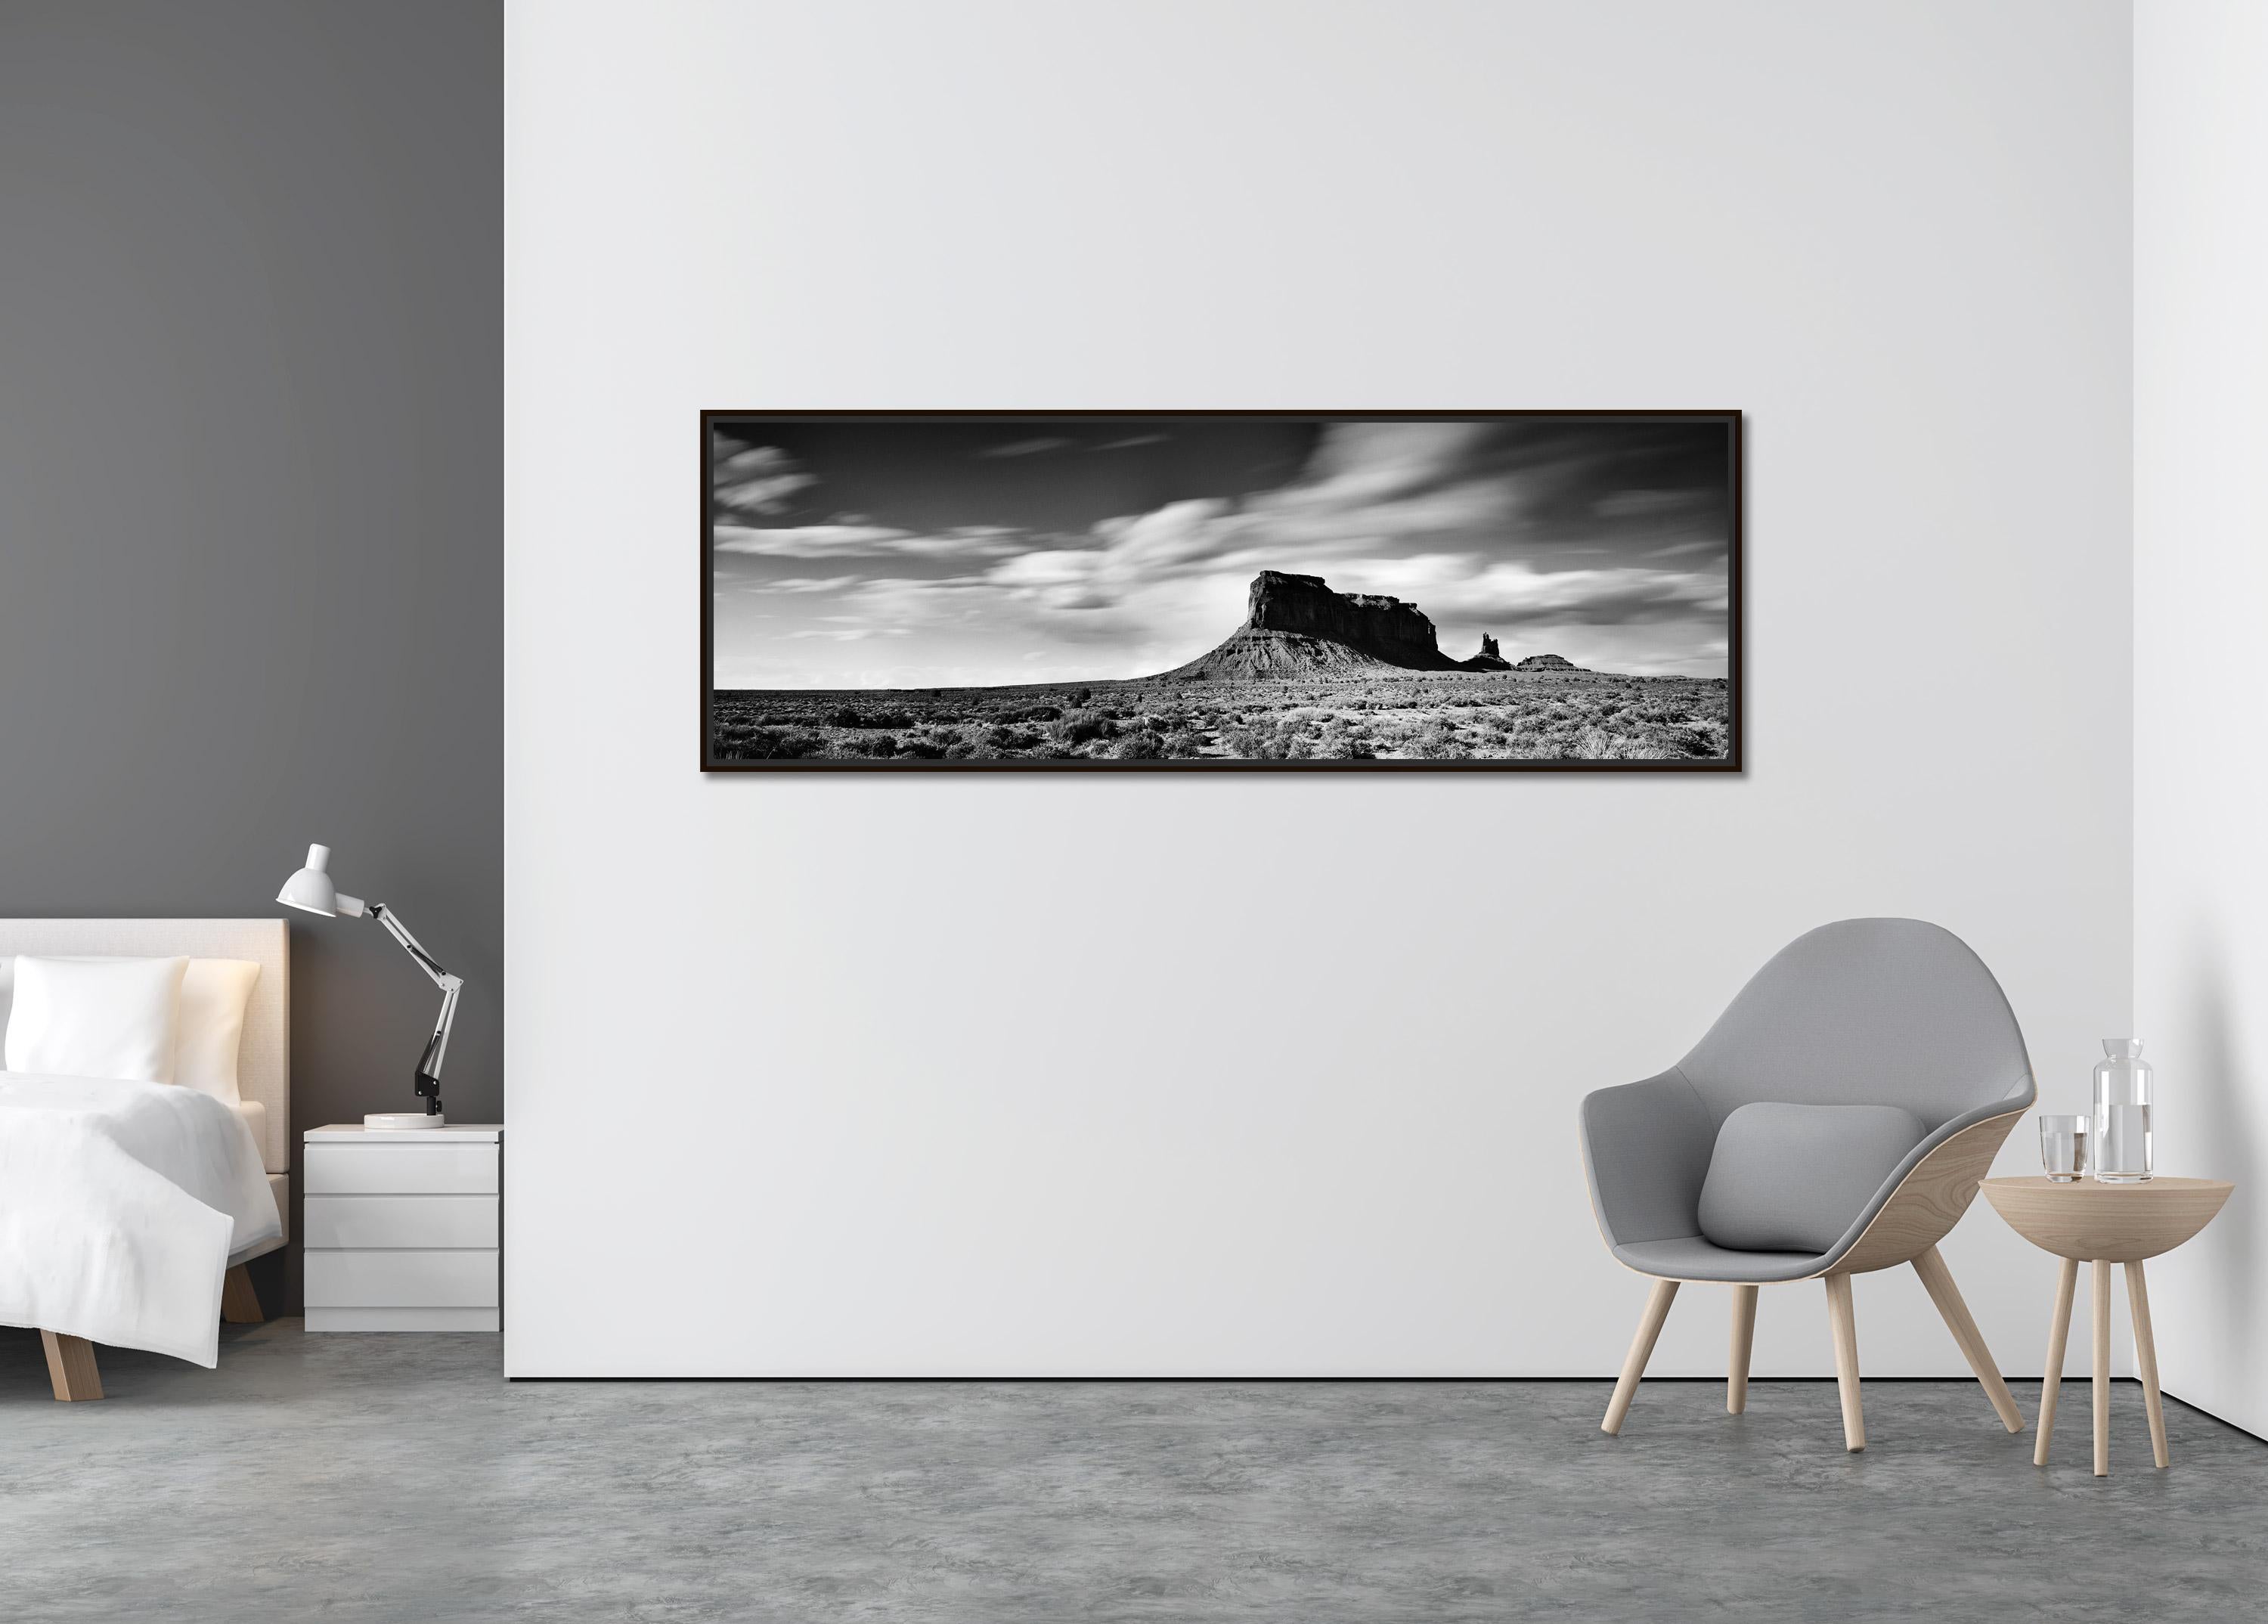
(121,1203)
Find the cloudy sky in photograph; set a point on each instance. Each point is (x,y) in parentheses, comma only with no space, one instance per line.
(954,553)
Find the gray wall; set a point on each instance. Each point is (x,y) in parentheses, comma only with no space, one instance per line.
(251,448)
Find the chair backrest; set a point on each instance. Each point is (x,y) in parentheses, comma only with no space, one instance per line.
(1865,1012)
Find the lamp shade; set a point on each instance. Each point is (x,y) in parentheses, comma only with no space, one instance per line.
(310,888)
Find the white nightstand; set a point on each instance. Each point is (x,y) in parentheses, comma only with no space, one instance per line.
(404,1230)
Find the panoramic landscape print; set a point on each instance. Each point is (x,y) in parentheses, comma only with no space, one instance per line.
(1521,590)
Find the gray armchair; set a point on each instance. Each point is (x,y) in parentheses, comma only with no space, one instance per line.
(1894,1015)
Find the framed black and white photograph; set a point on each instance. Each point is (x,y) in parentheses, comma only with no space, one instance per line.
(1212,590)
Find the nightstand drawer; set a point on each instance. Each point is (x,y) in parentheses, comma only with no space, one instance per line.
(398,1221)
(401,1280)
(402,1169)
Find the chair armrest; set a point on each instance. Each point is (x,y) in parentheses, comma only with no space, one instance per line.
(1646,1147)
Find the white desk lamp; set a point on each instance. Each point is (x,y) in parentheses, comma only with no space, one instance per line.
(311,889)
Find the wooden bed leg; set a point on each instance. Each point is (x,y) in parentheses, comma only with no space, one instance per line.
(239,1304)
(71,1366)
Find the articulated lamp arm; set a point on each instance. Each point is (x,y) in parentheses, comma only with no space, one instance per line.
(312,890)
(429,1064)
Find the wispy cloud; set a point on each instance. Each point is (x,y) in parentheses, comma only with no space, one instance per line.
(1612,545)
(750,482)
(823,541)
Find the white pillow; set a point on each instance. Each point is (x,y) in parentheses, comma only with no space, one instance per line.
(96,1017)
(213,992)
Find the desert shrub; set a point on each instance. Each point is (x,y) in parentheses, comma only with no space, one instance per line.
(1258,738)
(959,749)
(925,749)
(770,744)
(1339,742)
(884,746)
(1184,746)
(1079,699)
(1437,740)
(1079,726)
(844,717)
(1596,744)
(1139,746)
(1038,713)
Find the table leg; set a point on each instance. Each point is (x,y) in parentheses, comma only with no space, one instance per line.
(2146,1360)
(2101,1266)
(2058,1336)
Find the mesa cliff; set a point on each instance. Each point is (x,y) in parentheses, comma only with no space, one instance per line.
(1295,625)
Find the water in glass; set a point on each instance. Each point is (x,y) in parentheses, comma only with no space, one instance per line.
(2122,1081)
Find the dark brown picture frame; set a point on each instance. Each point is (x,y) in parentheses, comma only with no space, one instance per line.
(1735,729)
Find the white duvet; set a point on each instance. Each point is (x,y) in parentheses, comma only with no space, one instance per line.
(121,1203)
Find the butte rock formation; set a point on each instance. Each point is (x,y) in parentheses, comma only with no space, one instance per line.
(1296,626)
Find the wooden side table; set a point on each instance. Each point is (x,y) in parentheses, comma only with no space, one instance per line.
(2085,1221)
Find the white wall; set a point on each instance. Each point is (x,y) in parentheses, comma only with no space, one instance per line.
(2200,585)
(1168,1075)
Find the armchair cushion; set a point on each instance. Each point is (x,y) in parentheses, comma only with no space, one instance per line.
(1793,1178)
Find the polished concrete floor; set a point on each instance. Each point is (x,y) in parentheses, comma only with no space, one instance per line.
(372,1478)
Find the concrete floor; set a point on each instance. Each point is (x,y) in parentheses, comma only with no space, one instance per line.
(377,1478)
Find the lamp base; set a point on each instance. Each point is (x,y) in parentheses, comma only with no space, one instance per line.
(400,1121)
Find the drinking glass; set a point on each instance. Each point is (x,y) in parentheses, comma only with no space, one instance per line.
(2063,1147)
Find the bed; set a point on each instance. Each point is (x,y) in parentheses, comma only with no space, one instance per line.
(64,1122)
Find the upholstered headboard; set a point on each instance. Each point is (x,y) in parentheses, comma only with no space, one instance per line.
(263,1064)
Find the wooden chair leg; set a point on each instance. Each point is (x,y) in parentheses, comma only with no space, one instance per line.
(1843,1318)
(1649,1327)
(71,1366)
(1947,1295)
(2059,1338)
(1744,1339)
(2146,1361)
(239,1304)
(2101,1283)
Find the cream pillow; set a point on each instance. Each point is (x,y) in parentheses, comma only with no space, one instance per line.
(96,1017)
(213,992)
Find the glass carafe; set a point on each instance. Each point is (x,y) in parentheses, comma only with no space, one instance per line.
(2122,1112)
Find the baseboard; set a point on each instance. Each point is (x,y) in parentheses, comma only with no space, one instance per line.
(2211,1415)
(324,1319)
